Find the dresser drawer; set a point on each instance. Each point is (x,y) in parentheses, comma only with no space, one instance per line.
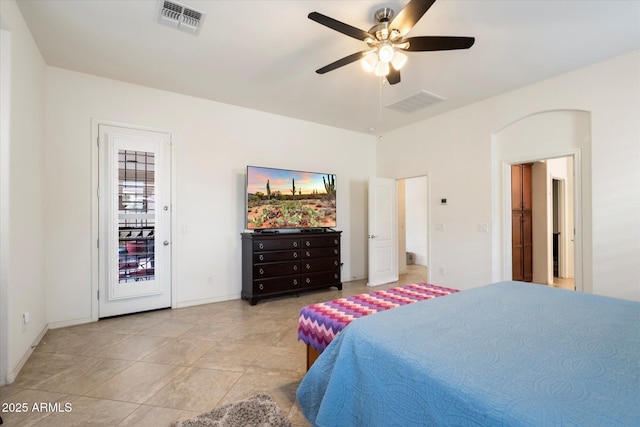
(275,244)
(276,269)
(320,264)
(320,242)
(260,257)
(320,252)
(266,286)
(320,279)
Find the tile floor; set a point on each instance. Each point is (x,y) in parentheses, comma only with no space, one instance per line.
(152,369)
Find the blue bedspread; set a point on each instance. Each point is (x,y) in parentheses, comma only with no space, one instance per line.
(506,354)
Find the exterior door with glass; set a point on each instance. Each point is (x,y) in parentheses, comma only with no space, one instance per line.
(134,220)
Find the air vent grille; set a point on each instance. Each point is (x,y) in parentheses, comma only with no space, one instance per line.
(416,102)
(180,16)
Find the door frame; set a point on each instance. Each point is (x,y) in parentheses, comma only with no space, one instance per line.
(506,272)
(95,208)
(427,176)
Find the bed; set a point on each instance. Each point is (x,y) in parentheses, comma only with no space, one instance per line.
(505,354)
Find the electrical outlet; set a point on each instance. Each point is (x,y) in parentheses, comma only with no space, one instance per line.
(441,271)
(439,227)
(25,320)
(483,228)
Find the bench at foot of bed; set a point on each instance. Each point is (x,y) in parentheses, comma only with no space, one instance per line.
(320,323)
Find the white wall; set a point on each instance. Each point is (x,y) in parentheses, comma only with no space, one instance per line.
(213,143)
(23,287)
(456,150)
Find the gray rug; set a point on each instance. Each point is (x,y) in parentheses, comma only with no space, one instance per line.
(257,411)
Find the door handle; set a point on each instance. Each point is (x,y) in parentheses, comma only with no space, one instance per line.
(371,236)
(166,243)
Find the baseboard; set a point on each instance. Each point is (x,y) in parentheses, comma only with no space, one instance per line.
(11,376)
(74,322)
(192,303)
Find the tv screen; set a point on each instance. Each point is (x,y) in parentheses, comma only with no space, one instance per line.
(281,198)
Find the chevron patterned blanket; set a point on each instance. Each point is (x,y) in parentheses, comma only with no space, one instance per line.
(320,323)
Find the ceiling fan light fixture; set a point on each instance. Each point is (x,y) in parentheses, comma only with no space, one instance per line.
(386,52)
(369,61)
(398,61)
(382,69)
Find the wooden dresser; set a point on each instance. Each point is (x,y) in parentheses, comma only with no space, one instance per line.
(276,264)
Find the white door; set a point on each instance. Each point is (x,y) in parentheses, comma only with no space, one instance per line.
(383,229)
(134,220)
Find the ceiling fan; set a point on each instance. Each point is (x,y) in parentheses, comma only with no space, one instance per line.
(386,42)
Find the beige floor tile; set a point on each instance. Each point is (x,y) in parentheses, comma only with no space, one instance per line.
(196,389)
(128,325)
(42,366)
(281,361)
(84,376)
(137,383)
(134,347)
(214,331)
(167,328)
(155,416)
(230,356)
(86,411)
(181,351)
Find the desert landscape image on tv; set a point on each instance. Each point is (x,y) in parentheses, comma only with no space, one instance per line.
(278,198)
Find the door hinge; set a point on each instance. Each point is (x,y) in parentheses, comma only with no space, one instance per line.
(98,294)
(98,141)
(98,244)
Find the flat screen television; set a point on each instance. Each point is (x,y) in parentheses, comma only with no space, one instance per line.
(289,199)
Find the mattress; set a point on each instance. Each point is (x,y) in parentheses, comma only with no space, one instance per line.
(505,354)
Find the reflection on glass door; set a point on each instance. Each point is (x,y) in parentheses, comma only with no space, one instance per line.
(136,216)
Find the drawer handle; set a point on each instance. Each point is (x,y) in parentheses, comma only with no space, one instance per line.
(295,267)
(261,246)
(261,286)
(295,282)
(261,271)
(335,275)
(295,244)
(308,266)
(308,253)
(308,280)
(335,251)
(308,243)
(335,263)
(261,257)
(295,254)
(335,241)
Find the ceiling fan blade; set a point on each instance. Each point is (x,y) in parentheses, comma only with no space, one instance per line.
(431,43)
(394,76)
(342,62)
(410,15)
(341,27)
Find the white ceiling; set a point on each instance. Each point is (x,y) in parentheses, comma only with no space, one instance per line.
(263,54)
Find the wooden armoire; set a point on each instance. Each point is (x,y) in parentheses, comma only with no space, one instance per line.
(521,223)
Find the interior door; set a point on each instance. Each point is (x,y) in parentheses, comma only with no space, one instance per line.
(383,230)
(134,221)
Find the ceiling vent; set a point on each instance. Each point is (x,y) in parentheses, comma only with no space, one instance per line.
(415,102)
(179,16)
